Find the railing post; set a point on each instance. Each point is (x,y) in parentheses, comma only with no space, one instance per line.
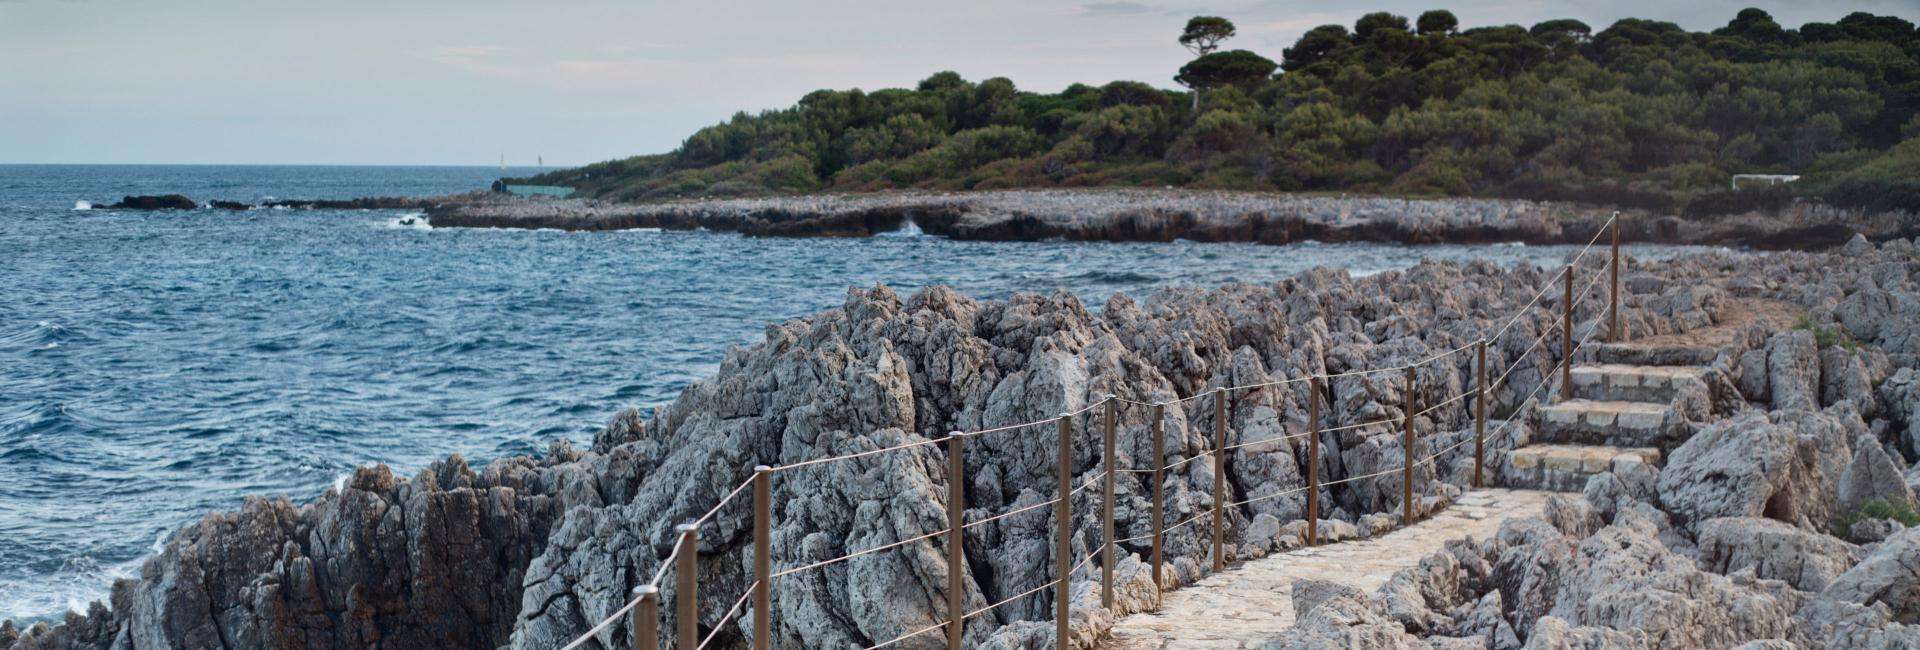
(1106,504)
(1159,489)
(1613,271)
(1480,414)
(956,539)
(686,617)
(1219,479)
(762,558)
(1063,541)
(1313,461)
(1566,340)
(1406,441)
(646,618)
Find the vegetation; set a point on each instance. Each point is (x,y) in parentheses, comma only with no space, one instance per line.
(1827,337)
(1639,114)
(1876,509)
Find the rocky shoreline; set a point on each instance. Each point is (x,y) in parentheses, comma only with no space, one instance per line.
(1169,214)
(529,552)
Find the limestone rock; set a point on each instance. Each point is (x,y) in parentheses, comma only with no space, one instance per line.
(1747,466)
(1889,576)
(1308,594)
(1772,550)
(1872,475)
(1793,371)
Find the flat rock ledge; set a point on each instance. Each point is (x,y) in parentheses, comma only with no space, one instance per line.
(1168,214)
(532,552)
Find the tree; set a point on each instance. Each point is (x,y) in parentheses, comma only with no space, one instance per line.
(1319,44)
(1204,33)
(1230,68)
(1373,23)
(1438,21)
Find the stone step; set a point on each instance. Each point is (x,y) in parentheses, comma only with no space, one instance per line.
(1566,468)
(1617,423)
(1630,383)
(1653,354)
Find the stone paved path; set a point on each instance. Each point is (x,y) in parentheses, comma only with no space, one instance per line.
(1252,602)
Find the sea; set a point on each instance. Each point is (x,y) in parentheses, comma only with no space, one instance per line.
(158,366)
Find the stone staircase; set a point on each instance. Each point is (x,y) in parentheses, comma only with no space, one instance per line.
(1624,408)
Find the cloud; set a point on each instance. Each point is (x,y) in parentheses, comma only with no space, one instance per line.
(1120,8)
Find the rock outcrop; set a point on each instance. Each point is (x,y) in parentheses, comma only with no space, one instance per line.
(531,553)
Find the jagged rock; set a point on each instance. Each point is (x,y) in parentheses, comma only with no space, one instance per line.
(1487,621)
(1889,576)
(1844,376)
(1872,475)
(1873,531)
(1793,371)
(1554,633)
(1772,550)
(1309,593)
(1346,622)
(1628,580)
(1901,394)
(1749,466)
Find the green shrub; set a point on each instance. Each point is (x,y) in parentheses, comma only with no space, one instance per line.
(1875,509)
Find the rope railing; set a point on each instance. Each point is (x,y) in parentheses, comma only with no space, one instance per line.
(1062,501)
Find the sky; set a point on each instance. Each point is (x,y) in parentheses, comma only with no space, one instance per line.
(578,81)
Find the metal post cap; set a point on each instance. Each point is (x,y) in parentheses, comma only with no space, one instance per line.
(687,527)
(762,468)
(645,590)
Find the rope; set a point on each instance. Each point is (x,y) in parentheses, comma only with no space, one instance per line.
(722,623)
(1549,284)
(1265,440)
(834,459)
(1275,495)
(855,554)
(1011,513)
(1019,596)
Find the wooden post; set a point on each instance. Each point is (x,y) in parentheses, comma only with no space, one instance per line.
(1313,461)
(1219,479)
(762,558)
(1566,340)
(1106,504)
(956,539)
(1406,441)
(646,618)
(1158,516)
(686,603)
(1063,539)
(1613,272)
(1480,415)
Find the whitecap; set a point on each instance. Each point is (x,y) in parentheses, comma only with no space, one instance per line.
(83,205)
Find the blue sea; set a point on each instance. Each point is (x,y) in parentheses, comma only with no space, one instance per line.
(158,366)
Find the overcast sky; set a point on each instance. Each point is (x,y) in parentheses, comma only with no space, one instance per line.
(416,82)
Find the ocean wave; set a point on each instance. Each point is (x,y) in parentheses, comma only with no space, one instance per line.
(83,205)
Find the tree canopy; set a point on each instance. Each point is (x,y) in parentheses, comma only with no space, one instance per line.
(1641,113)
(1204,34)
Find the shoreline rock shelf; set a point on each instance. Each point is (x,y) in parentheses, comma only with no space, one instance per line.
(530,552)
(1169,214)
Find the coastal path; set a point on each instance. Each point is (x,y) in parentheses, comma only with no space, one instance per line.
(1252,603)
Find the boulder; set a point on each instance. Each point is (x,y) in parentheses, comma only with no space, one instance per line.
(1355,623)
(1773,550)
(1309,593)
(1793,371)
(1889,576)
(1872,475)
(1746,466)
